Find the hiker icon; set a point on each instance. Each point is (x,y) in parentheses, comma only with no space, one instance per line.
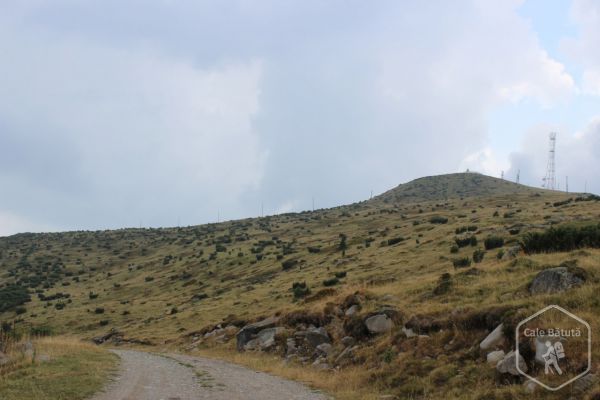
(552,355)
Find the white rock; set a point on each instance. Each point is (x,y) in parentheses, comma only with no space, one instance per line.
(493,339)
(508,364)
(352,310)
(379,323)
(495,356)
(408,332)
(530,386)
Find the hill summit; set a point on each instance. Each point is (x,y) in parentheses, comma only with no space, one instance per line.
(453,186)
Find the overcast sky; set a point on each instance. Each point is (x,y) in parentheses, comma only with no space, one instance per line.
(119,113)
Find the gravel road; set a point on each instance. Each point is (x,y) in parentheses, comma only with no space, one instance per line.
(146,376)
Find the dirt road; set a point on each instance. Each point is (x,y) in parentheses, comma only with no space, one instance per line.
(145,376)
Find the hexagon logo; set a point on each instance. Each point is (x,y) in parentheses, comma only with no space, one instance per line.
(556,346)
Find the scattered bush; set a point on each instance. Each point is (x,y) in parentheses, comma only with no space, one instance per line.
(461,262)
(478,255)
(12,296)
(565,238)
(331,282)
(288,264)
(300,289)
(438,220)
(395,240)
(444,284)
(493,242)
(466,241)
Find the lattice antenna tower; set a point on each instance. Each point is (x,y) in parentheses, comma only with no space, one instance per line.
(550,178)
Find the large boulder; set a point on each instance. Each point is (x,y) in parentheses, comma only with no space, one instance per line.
(264,340)
(494,339)
(557,279)
(379,323)
(249,332)
(508,365)
(315,336)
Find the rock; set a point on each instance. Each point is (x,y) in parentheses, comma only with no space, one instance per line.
(316,336)
(43,358)
(113,334)
(352,310)
(248,332)
(290,345)
(325,348)
(530,386)
(264,339)
(4,359)
(348,341)
(508,364)
(495,356)
(345,356)
(379,323)
(557,279)
(408,332)
(493,339)
(321,363)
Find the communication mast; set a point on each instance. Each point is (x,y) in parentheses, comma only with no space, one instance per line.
(550,178)
(518,175)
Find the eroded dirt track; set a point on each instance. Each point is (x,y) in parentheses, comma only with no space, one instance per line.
(146,376)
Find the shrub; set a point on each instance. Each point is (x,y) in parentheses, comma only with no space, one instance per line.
(13,296)
(149,278)
(500,254)
(454,249)
(438,220)
(331,282)
(565,238)
(99,310)
(340,274)
(493,242)
(20,310)
(478,255)
(461,262)
(395,240)
(466,241)
(444,284)
(288,264)
(300,289)
(92,295)
(314,249)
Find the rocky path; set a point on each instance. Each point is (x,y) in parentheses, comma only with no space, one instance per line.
(146,376)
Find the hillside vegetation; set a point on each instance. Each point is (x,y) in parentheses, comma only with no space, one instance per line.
(443,256)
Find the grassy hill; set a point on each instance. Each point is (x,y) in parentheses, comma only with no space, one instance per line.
(159,286)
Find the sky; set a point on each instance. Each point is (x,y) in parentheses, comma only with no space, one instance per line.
(129,113)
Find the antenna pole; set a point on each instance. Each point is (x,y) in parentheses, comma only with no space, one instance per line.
(550,178)
(518,175)
(567,184)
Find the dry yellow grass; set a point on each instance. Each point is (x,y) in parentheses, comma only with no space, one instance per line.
(54,368)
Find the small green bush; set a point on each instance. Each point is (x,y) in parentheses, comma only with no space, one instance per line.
(461,262)
(331,282)
(478,255)
(493,242)
(438,220)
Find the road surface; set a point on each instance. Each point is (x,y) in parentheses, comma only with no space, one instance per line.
(146,376)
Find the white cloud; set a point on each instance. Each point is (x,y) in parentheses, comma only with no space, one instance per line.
(584,48)
(577,156)
(181,110)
